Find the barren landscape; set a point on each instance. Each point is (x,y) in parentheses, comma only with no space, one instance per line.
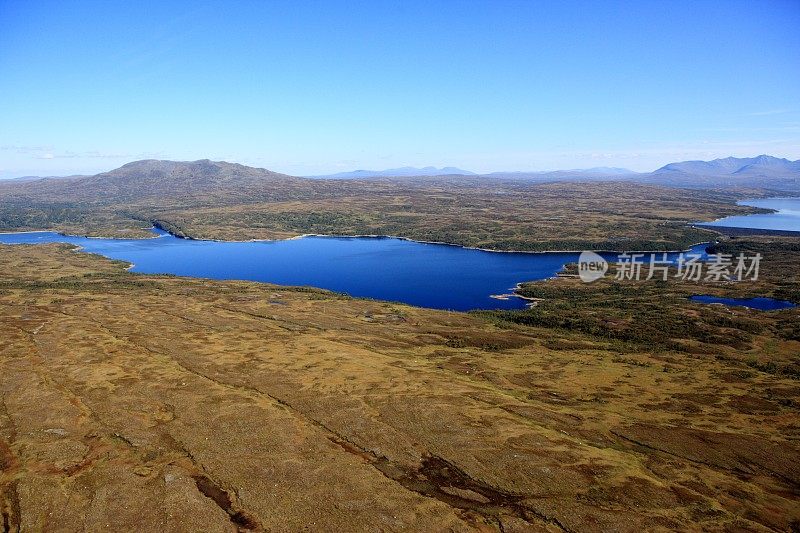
(489,266)
(218,200)
(152,403)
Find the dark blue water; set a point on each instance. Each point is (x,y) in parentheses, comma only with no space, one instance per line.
(787,217)
(762,304)
(427,275)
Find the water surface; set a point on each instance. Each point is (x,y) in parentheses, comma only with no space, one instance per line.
(762,304)
(787,217)
(427,275)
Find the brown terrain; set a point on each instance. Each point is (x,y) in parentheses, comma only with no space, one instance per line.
(218,200)
(155,403)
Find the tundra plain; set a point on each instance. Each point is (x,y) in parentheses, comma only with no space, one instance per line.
(163,403)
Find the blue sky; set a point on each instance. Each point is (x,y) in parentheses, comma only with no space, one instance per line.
(316,87)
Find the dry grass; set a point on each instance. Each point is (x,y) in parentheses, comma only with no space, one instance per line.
(479,212)
(159,403)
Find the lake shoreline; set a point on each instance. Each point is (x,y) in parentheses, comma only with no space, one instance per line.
(466,278)
(368,236)
(777,216)
(735,231)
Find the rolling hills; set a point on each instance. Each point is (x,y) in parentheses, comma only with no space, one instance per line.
(219,200)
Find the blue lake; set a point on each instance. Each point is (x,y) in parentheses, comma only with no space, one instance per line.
(427,275)
(787,217)
(762,304)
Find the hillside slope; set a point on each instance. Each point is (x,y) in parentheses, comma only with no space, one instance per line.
(156,181)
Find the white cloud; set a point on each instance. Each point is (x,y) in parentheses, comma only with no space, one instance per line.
(769,112)
(17,149)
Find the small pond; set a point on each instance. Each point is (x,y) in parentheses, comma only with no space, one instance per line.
(762,304)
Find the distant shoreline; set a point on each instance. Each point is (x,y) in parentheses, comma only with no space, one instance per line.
(734,231)
(366,236)
(409,239)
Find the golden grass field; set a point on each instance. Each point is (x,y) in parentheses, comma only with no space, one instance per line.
(156,403)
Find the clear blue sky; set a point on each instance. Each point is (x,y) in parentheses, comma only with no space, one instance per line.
(315,87)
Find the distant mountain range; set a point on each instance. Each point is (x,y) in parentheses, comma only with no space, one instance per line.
(731,166)
(764,171)
(401,172)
